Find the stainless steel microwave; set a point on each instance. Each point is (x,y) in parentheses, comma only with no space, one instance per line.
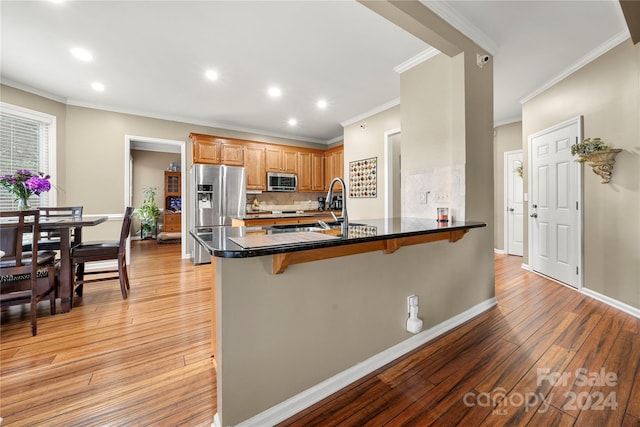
(282,181)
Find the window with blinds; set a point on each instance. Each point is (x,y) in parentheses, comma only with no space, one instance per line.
(26,141)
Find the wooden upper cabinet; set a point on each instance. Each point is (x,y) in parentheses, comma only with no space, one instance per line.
(232,154)
(206,149)
(215,150)
(317,171)
(254,163)
(305,171)
(172,184)
(281,159)
(315,168)
(311,171)
(334,166)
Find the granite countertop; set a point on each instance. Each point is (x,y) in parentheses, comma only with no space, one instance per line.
(219,240)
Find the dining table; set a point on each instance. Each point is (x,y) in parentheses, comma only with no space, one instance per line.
(64,226)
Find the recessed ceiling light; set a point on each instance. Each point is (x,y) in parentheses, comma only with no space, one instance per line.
(274,92)
(321,104)
(99,87)
(81,54)
(211,75)
(292,122)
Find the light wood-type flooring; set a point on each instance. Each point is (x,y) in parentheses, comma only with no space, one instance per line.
(145,361)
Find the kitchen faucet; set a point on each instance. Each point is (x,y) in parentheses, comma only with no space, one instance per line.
(343,219)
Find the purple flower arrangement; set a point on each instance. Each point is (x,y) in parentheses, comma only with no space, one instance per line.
(25,183)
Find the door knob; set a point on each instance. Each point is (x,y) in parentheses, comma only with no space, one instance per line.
(534,215)
(511,209)
(535,206)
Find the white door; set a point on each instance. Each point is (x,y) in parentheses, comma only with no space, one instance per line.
(554,217)
(514,189)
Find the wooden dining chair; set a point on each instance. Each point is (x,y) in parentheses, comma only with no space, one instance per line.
(92,251)
(50,240)
(25,277)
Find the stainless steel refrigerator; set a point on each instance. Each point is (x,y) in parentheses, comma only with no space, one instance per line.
(218,193)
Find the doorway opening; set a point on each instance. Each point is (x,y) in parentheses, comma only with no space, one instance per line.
(163,146)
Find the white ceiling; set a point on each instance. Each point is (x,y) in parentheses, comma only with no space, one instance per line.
(152,56)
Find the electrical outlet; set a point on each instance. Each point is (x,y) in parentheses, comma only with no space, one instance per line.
(424,198)
(442,197)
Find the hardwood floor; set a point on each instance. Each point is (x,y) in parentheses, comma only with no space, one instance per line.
(539,330)
(146,360)
(136,362)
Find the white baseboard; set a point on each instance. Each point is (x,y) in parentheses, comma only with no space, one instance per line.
(525,267)
(303,400)
(612,302)
(216,421)
(499,251)
(597,296)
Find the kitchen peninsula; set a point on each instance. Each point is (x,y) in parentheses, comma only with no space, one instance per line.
(291,316)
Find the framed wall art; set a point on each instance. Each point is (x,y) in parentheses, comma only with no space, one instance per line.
(363,178)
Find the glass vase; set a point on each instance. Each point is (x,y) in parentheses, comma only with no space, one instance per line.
(23,204)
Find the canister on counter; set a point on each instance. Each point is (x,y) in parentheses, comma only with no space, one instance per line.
(443,214)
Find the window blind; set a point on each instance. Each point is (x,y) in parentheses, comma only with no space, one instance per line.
(24,144)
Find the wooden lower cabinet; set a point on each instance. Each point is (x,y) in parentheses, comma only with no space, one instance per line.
(172,222)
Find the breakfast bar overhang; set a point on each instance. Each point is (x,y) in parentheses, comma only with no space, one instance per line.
(290,318)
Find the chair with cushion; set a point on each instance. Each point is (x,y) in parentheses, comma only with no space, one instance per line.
(85,252)
(22,280)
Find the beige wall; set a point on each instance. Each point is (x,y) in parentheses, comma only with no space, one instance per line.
(90,152)
(433,160)
(360,145)
(427,100)
(506,138)
(282,334)
(607,93)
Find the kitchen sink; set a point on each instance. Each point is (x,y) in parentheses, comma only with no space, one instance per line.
(314,226)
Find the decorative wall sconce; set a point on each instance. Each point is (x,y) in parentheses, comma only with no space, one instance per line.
(598,155)
(602,162)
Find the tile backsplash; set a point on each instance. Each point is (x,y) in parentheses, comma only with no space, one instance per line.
(444,186)
(284,201)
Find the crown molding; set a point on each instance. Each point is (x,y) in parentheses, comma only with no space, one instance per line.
(416,60)
(371,112)
(223,126)
(589,57)
(462,24)
(33,90)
